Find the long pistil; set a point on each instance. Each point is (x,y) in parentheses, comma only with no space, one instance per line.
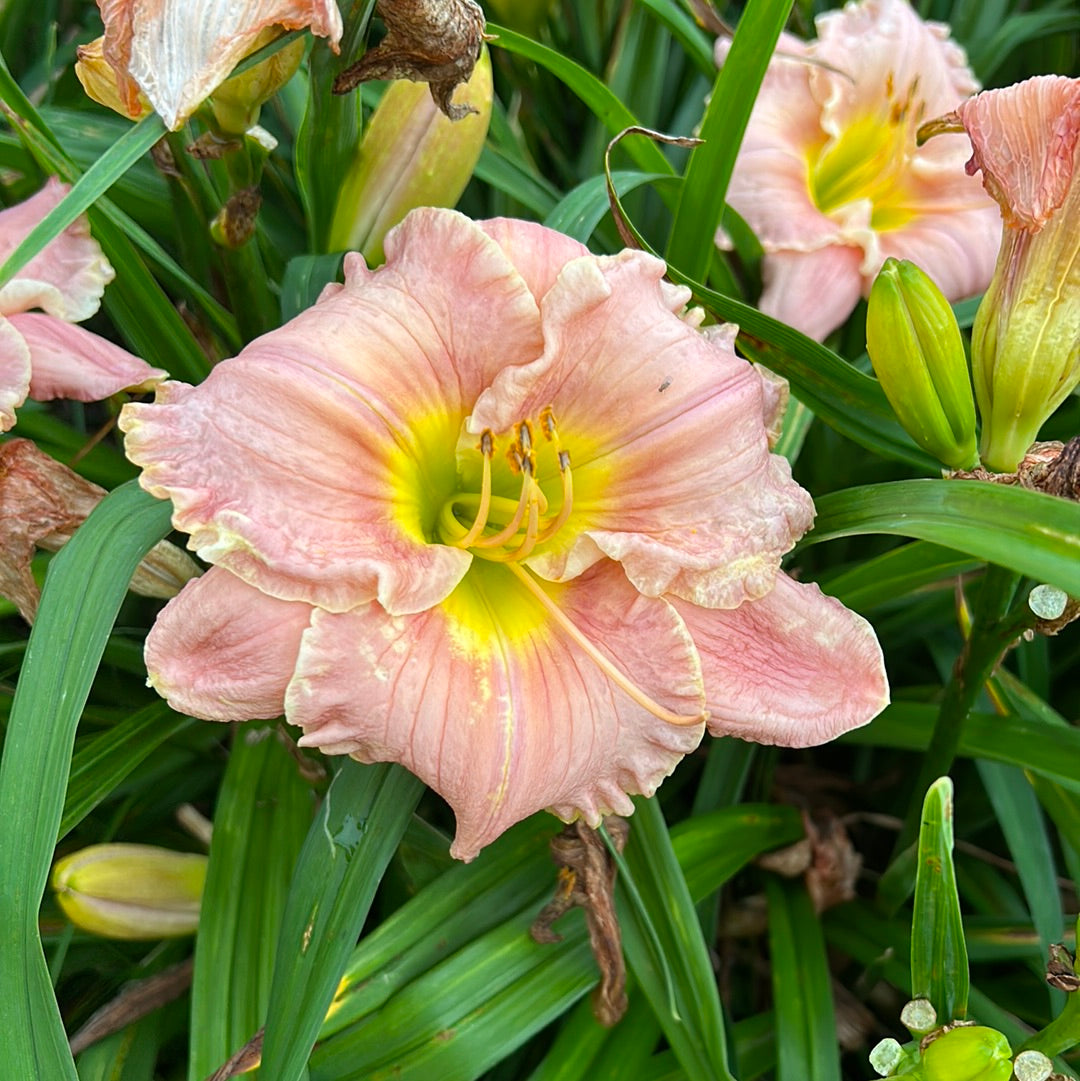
(617,677)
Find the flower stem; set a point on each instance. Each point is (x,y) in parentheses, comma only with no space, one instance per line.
(996,624)
(1061,1034)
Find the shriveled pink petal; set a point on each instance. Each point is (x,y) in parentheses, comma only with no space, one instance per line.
(178,51)
(812,291)
(68,277)
(1024,139)
(14,373)
(672,471)
(794,667)
(69,362)
(505,716)
(223,651)
(305,465)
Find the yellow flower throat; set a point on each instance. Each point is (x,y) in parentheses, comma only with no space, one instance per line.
(501,529)
(870,159)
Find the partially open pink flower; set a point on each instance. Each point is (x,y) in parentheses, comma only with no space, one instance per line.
(830,178)
(177,51)
(43,356)
(1025,344)
(496,511)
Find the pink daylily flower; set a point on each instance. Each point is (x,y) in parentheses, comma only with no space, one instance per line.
(500,512)
(42,355)
(829,175)
(178,51)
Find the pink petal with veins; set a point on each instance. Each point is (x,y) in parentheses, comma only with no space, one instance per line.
(223,651)
(69,362)
(672,471)
(794,667)
(14,373)
(814,292)
(68,277)
(505,717)
(304,464)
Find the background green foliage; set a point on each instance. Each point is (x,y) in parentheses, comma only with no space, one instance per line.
(427,963)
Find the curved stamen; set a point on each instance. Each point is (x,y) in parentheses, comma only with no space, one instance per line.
(526,497)
(618,678)
(532,536)
(487,449)
(559,520)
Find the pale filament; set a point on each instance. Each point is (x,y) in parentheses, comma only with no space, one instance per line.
(531,505)
(487,448)
(618,678)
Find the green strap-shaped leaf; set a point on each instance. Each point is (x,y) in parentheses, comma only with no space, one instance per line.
(363,816)
(939,964)
(662,917)
(103,763)
(605,105)
(709,170)
(1028,532)
(263,814)
(82,594)
(802,990)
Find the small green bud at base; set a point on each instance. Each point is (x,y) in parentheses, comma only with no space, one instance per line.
(918,355)
(970,1053)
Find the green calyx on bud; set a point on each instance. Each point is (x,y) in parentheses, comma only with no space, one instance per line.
(968,1053)
(915,346)
(411,155)
(130,891)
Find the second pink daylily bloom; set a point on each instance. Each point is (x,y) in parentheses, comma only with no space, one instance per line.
(176,52)
(829,175)
(42,355)
(500,512)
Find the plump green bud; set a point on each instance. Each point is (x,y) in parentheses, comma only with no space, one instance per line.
(914,344)
(411,155)
(971,1053)
(131,891)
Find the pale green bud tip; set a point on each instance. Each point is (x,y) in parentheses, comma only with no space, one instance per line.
(131,891)
(886,1056)
(918,1016)
(971,1053)
(918,355)
(1032,1066)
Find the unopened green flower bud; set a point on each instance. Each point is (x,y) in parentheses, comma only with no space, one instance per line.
(131,891)
(411,155)
(236,103)
(915,346)
(969,1053)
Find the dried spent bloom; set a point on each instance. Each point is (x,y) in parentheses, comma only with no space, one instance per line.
(44,356)
(429,41)
(829,175)
(42,503)
(498,512)
(1025,344)
(176,52)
